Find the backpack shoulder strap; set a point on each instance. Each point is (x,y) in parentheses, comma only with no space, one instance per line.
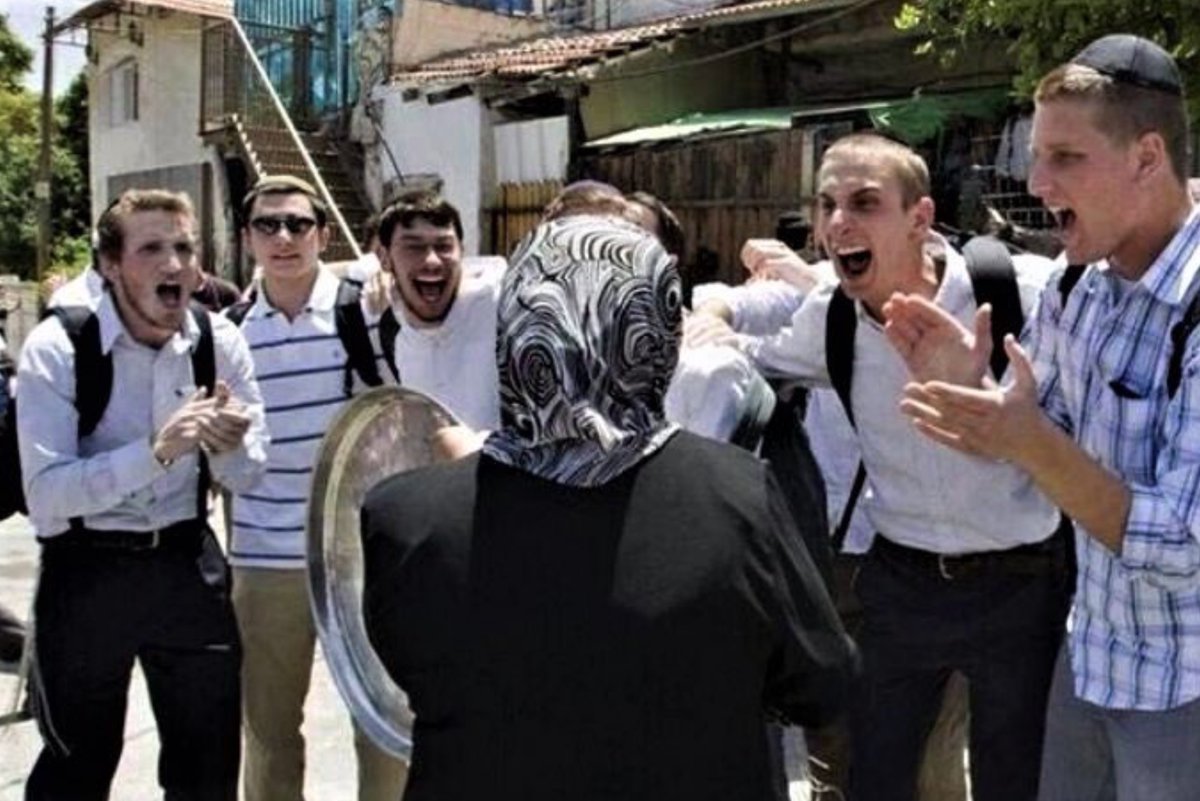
(1068,280)
(93,367)
(389,328)
(352,331)
(841,323)
(204,359)
(994,281)
(1180,332)
(238,311)
(204,374)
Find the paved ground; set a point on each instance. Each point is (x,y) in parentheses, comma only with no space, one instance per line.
(331,771)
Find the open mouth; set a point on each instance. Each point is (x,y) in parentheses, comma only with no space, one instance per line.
(430,290)
(169,294)
(1064,220)
(853,262)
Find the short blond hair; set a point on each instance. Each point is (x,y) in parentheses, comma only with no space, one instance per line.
(110,229)
(902,162)
(1124,111)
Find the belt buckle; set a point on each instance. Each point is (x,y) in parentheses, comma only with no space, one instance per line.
(155,541)
(943,567)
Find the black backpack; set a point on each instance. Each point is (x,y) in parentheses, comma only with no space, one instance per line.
(352,331)
(93,370)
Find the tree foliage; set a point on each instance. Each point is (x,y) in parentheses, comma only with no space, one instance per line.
(1045,33)
(20,143)
(15,58)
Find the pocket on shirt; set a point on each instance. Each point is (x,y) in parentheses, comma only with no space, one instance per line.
(1134,422)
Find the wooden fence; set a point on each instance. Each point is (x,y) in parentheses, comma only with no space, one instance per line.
(724,191)
(517,211)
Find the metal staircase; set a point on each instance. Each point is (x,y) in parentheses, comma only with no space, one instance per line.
(247,116)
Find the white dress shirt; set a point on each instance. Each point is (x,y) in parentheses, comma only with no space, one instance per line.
(85,289)
(762,308)
(924,495)
(111,477)
(713,389)
(454,362)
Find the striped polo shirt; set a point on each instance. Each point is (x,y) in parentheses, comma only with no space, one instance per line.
(300,368)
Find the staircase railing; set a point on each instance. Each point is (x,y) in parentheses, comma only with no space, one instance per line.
(237,90)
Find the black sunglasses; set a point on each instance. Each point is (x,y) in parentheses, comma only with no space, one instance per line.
(296,226)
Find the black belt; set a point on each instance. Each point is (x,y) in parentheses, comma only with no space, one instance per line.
(186,535)
(1032,559)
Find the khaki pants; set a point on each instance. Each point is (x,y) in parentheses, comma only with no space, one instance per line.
(942,776)
(278,642)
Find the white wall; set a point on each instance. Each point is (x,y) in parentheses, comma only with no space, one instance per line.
(452,140)
(165,133)
(428,29)
(537,150)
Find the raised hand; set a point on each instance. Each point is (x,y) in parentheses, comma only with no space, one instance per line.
(377,290)
(993,422)
(934,345)
(772,259)
(184,430)
(455,442)
(224,429)
(702,328)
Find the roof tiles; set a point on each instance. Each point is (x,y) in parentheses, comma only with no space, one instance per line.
(556,52)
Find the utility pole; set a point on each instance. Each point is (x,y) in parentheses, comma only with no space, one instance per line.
(42,187)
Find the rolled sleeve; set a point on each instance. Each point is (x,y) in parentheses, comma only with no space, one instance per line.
(1158,546)
(1162,532)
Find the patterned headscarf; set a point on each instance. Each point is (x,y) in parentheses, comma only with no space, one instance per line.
(588,337)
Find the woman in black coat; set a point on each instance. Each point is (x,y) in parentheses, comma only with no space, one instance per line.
(598,605)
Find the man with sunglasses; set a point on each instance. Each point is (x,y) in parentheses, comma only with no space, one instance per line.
(300,362)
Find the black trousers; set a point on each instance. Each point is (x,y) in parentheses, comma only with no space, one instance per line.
(99,609)
(12,636)
(1001,628)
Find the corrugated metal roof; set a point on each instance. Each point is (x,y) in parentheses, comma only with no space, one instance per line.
(100,8)
(700,123)
(554,53)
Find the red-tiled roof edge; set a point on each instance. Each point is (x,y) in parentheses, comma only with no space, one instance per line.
(575,51)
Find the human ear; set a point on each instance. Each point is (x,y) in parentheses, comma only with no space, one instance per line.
(923,215)
(1150,155)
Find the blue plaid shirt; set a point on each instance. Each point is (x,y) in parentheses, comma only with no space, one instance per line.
(1101,364)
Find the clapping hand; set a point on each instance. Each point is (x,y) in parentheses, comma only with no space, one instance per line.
(934,345)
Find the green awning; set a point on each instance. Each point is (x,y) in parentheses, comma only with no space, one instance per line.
(697,123)
(919,118)
(915,119)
